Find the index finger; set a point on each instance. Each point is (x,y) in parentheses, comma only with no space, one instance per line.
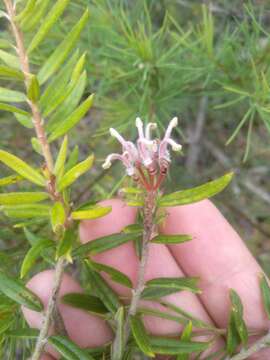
(220,258)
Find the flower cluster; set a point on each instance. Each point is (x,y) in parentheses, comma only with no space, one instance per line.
(148,156)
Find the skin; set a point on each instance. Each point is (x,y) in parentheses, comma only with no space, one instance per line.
(216,254)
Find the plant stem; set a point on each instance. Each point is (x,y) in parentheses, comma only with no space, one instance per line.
(25,67)
(51,310)
(149,227)
(257,346)
(42,338)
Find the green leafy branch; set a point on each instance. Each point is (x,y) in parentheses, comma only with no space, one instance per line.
(54,177)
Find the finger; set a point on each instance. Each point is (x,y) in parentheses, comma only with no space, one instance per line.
(123,258)
(46,357)
(83,328)
(220,258)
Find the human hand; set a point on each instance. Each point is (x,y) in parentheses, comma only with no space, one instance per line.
(216,255)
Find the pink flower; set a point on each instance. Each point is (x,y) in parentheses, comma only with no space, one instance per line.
(163,152)
(149,153)
(146,147)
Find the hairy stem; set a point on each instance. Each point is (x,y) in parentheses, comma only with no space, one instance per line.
(51,311)
(257,346)
(25,67)
(47,320)
(149,228)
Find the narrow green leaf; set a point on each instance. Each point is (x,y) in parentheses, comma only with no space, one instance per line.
(72,120)
(13,109)
(31,20)
(75,172)
(118,345)
(133,228)
(196,194)
(104,243)
(33,240)
(12,179)
(26,11)
(184,283)
(22,168)
(57,86)
(33,91)
(85,302)
(92,213)
(168,346)
(68,106)
(36,145)
(171,239)
(73,158)
(162,315)
(48,23)
(68,349)
(232,339)
(16,291)
(265,289)
(114,274)
(26,211)
(153,293)
(65,100)
(33,254)
(195,321)
(65,245)
(7,72)
(140,335)
(160,287)
(236,90)
(186,336)
(77,71)
(131,190)
(62,51)
(58,216)
(135,203)
(25,120)
(237,312)
(103,290)
(22,333)
(7,95)
(61,158)
(16,198)
(248,115)
(10,60)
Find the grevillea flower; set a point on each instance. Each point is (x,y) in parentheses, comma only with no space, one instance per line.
(148,154)
(163,152)
(146,147)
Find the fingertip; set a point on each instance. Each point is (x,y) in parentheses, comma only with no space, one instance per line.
(46,357)
(219,257)
(120,216)
(85,329)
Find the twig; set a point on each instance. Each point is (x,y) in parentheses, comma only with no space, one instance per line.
(257,346)
(149,227)
(25,67)
(42,338)
(195,137)
(41,135)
